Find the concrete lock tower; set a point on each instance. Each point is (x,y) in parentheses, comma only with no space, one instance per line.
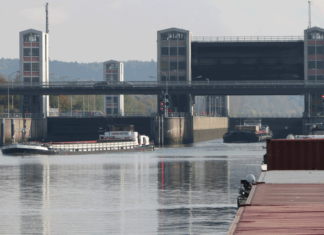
(313,68)
(113,72)
(34,68)
(174,64)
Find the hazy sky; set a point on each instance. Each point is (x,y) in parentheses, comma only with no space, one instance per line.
(100,30)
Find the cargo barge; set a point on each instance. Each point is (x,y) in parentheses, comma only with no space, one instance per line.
(251,131)
(120,138)
(288,197)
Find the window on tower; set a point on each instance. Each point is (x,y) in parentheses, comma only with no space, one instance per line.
(35,79)
(27,79)
(319,64)
(311,64)
(182,65)
(115,110)
(115,99)
(311,78)
(31,37)
(164,51)
(173,51)
(108,99)
(319,50)
(182,50)
(27,52)
(35,52)
(34,37)
(311,50)
(111,66)
(35,66)
(320,77)
(173,78)
(27,67)
(164,36)
(173,65)
(164,65)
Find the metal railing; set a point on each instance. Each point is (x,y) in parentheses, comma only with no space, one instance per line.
(265,115)
(246,38)
(96,114)
(22,115)
(178,114)
(139,84)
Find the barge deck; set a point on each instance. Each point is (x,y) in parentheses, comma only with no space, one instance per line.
(289,197)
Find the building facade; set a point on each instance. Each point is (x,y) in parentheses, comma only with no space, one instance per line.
(34,68)
(113,72)
(314,68)
(174,64)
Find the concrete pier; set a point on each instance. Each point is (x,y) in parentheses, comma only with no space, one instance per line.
(36,129)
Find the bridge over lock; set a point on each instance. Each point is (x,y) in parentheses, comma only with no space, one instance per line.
(289,87)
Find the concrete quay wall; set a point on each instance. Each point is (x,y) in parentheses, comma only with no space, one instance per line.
(209,128)
(181,130)
(36,129)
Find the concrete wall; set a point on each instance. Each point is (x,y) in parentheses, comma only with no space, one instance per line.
(36,129)
(209,128)
(82,129)
(177,130)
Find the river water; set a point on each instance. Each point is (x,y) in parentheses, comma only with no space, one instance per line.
(183,190)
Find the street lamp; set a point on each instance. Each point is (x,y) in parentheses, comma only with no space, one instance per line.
(166,79)
(8,90)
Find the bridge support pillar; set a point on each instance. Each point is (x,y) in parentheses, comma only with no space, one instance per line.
(2,135)
(307,110)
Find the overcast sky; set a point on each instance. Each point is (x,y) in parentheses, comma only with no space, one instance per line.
(100,30)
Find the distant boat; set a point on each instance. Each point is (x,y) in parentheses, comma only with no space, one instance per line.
(251,131)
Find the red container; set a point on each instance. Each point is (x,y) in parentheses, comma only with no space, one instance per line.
(295,154)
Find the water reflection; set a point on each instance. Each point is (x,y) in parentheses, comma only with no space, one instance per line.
(141,193)
(195,184)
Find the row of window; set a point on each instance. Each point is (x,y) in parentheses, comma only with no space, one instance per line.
(315,35)
(312,50)
(33,79)
(31,37)
(173,51)
(31,67)
(111,77)
(111,111)
(173,65)
(111,66)
(31,51)
(109,99)
(313,77)
(173,36)
(174,78)
(319,64)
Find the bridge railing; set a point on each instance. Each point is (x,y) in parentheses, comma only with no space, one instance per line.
(266,115)
(22,115)
(246,38)
(96,114)
(139,84)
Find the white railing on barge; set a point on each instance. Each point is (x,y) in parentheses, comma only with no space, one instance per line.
(84,147)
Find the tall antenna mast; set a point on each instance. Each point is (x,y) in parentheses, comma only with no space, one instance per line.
(47,31)
(309,14)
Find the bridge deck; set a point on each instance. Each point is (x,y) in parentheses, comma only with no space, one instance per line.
(195,88)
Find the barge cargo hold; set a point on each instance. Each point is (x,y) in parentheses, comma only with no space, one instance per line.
(288,197)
